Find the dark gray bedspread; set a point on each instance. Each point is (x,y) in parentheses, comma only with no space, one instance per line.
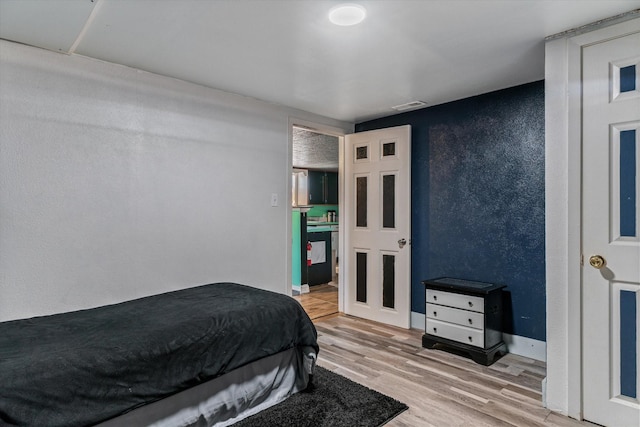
(83,367)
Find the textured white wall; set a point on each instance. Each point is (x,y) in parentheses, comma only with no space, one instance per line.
(116,184)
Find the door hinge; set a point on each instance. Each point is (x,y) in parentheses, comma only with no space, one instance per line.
(581,260)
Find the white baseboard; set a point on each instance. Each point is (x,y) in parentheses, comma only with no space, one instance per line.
(527,347)
(304,289)
(516,344)
(417,320)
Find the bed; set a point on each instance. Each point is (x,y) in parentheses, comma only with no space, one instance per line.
(209,355)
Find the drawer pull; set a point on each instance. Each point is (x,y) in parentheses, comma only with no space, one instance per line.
(435,314)
(470,321)
(435,298)
(470,304)
(435,330)
(470,339)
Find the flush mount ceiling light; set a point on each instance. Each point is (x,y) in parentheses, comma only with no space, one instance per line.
(409,106)
(347,14)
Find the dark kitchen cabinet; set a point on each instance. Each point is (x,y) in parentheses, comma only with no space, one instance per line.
(319,272)
(316,187)
(332,188)
(323,188)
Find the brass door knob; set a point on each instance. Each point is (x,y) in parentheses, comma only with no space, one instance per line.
(597,261)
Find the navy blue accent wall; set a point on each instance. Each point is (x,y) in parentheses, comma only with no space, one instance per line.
(478,197)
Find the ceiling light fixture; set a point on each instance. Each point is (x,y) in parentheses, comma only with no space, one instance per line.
(347,14)
(409,106)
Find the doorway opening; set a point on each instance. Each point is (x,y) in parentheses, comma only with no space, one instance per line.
(315,218)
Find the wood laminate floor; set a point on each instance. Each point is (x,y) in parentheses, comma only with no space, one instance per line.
(321,301)
(440,388)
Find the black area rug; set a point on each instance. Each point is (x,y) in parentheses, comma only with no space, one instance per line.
(331,400)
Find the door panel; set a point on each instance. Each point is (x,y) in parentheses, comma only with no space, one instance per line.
(378,228)
(611,242)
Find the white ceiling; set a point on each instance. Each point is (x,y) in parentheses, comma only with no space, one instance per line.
(287,52)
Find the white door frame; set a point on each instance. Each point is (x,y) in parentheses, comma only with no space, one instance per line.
(328,130)
(563,169)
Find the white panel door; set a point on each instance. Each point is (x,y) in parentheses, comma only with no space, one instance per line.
(611,230)
(378,225)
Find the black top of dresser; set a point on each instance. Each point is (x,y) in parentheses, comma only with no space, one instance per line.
(451,284)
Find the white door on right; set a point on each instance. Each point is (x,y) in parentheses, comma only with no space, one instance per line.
(378,225)
(611,231)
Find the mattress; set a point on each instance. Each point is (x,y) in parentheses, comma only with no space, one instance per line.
(84,367)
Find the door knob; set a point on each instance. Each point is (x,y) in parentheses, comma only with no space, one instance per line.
(597,261)
(402,242)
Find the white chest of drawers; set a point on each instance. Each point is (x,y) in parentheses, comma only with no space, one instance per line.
(464,315)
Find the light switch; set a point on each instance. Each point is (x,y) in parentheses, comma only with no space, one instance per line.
(274,199)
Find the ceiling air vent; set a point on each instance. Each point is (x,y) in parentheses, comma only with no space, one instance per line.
(409,106)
